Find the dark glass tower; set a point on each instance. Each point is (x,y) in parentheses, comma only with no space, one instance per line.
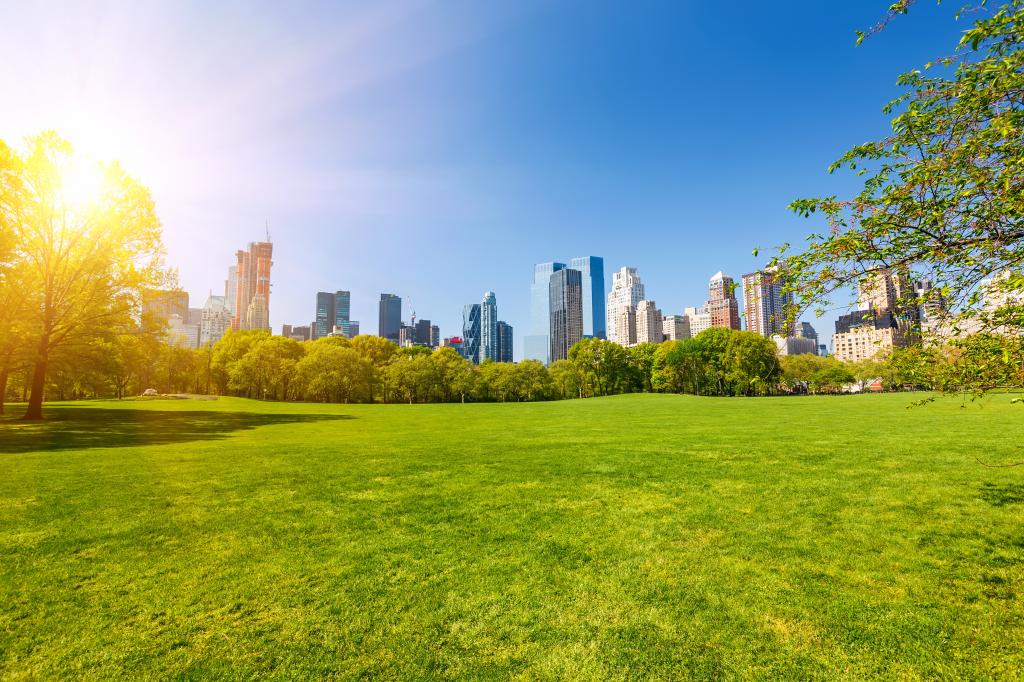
(324,321)
(566,300)
(592,271)
(390,317)
(504,342)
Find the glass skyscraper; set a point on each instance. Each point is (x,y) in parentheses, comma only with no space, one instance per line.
(504,342)
(566,300)
(324,320)
(489,327)
(592,271)
(390,317)
(536,344)
(471,332)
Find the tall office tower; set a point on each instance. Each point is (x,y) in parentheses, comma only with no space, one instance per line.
(390,317)
(342,310)
(649,323)
(722,305)
(214,322)
(932,307)
(804,330)
(566,296)
(676,327)
(625,325)
(594,316)
(181,333)
(765,304)
(471,332)
(286,330)
(231,289)
(421,335)
(699,319)
(536,344)
(162,304)
(252,292)
(406,336)
(627,292)
(323,323)
(504,342)
(435,336)
(489,327)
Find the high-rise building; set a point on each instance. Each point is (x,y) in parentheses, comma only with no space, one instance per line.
(566,301)
(765,304)
(699,319)
(794,345)
(325,315)
(471,332)
(627,292)
(504,342)
(676,327)
(214,322)
(537,344)
(804,330)
(231,289)
(161,304)
(342,310)
(421,334)
(722,305)
(406,335)
(353,329)
(649,325)
(390,316)
(489,327)
(435,336)
(886,319)
(252,291)
(594,316)
(182,333)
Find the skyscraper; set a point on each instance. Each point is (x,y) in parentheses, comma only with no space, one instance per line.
(627,291)
(342,310)
(471,332)
(435,336)
(504,342)
(489,327)
(594,317)
(676,327)
(214,322)
(421,333)
(324,320)
(723,308)
(765,304)
(566,301)
(649,323)
(252,291)
(390,317)
(537,345)
(231,289)
(698,319)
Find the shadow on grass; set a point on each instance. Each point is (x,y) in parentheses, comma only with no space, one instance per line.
(1002,495)
(82,428)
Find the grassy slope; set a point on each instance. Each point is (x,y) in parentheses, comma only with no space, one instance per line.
(622,537)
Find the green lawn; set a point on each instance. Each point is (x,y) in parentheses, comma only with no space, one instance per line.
(642,536)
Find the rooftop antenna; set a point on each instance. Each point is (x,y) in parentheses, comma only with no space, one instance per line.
(268,229)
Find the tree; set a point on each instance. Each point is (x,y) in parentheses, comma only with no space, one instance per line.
(642,360)
(88,240)
(231,348)
(566,380)
(944,192)
(453,373)
(603,366)
(333,372)
(752,364)
(267,368)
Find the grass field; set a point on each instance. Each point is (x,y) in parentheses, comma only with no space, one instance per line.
(643,536)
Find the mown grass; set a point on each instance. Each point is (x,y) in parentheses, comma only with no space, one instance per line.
(642,536)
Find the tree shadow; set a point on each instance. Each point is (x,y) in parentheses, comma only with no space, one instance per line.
(83,428)
(1002,495)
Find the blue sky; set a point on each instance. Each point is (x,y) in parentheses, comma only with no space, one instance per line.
(438,150)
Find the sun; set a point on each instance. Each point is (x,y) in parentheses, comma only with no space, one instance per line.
(81,184)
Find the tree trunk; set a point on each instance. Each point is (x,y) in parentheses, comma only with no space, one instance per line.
(35,401)
(3,388)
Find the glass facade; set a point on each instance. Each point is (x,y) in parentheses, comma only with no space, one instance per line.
(489,327)
(536,344)
(471,332)
(324,321)
(566,302)
(592,271)
(504,342)
(390,317)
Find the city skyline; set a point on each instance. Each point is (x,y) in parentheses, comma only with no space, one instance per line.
(406,137)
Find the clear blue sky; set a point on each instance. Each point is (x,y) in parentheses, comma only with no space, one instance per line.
(438,149)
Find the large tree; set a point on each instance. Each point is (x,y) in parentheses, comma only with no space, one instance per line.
(943,194)
(87,240)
